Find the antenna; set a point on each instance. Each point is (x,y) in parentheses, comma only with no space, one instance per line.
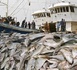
(6,4)
(58,0)
(63,0)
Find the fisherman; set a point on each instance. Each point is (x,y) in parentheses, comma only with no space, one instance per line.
(33,24)
(29,25)
(57,26)
(63,25)
(23,22)
(17,24)
(46,27)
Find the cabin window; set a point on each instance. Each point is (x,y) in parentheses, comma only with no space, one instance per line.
(44,15)
(63,9)
(71,8)
(40,14)
(51,11)
(48,14)
(34,16)
(55,10)
(37,15)
(67,9)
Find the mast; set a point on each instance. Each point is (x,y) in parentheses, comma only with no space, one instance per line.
(6,4)
(7,9)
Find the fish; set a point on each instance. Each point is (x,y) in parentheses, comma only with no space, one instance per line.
(27,42)
(39,50)
(67,54)
(53,63)
(4,49)
(2,55)
(74,64)
(31,64)
(36,36)
(4,62)
(58,57)
(74,52)
(64,65)
(52,69)
(22,59)
(39,63)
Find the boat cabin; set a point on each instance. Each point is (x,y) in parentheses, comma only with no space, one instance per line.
(66,11)
(41,17)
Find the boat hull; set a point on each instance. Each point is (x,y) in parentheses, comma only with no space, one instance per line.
(10,28)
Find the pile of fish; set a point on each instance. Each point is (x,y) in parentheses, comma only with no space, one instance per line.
(38,51)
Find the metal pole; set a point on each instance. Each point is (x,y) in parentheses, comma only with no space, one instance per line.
(7,9)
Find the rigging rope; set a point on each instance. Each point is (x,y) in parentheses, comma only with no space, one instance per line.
(58,1)
(18,11)
(21,9)
(16,7)
(13,5)
(29,2)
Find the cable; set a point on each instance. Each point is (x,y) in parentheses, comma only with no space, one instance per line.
(58,1)
(13,5)
(18,11)
(21,9)
(16,7)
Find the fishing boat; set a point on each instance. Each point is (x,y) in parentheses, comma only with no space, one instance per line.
(58,11)
(67,11)
(7,27)
(10,28)
(41,17)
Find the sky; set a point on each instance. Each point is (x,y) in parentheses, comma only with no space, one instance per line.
(19,9)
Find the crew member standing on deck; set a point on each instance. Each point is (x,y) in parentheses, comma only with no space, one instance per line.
(33,24)
(63,25)
(57,26)
(23,22)
(17,24)
(29,25)
(46,27)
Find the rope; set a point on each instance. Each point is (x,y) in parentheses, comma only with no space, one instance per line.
(18,11)
(13,5)
(21,9)
(17,7)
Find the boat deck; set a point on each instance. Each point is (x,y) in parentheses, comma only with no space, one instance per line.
(11,28)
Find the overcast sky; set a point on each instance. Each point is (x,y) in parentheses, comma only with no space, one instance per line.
(21,8)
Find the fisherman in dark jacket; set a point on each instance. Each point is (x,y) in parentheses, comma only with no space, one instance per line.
(29,25)
(63,25)
(23,22)
(17,24)
(33,24)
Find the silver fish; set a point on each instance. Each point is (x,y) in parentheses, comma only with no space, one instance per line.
(74,52)
(58,57)
(39,63)
(64,65)
(53,63)
(4,63)
(67,54)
